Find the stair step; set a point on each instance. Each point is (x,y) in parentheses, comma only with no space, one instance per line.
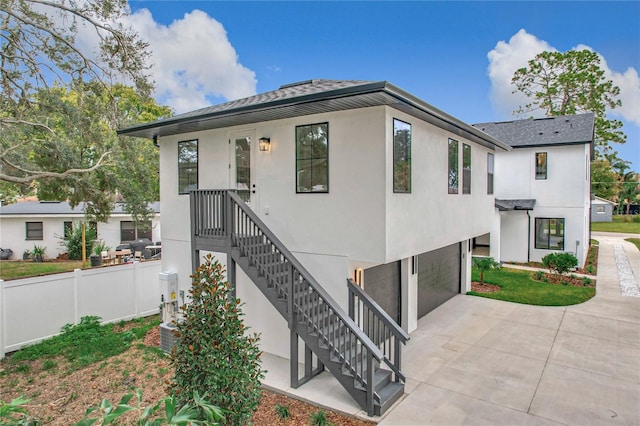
(388,395)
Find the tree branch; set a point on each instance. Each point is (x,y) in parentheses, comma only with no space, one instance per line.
(35,175)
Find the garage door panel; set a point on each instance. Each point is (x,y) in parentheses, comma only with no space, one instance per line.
(382,283)
(438,277)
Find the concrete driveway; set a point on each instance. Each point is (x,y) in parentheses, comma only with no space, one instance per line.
(479,361)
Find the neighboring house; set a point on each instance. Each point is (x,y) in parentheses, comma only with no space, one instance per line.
(45,223)
(602,209)
(543,187)
(354,179)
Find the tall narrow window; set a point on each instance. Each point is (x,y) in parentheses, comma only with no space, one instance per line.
(489,173)
(243,168)
(312,158)
(453,167)
(401,156)
(67,229)
(34,231)
(187,166)
(541,165)
(549,234)
(466,169)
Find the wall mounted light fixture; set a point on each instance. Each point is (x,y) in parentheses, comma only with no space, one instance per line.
(264,144)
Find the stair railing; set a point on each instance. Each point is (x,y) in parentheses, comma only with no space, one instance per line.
(307,300)
(385,333)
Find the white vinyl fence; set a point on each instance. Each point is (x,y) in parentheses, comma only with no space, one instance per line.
(33,309)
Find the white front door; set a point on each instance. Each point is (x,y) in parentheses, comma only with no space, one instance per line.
(242,167)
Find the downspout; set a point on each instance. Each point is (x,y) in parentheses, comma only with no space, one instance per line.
(529,237)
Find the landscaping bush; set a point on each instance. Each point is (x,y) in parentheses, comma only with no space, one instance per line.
(214,354)
(73,242)
(560,263)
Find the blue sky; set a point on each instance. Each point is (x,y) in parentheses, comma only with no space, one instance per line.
(457,56)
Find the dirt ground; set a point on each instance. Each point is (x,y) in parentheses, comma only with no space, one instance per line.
(61,398)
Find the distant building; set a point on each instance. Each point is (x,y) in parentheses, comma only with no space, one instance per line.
(44,223)
(602,210)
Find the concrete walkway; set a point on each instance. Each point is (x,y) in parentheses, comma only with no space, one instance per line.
(479,361)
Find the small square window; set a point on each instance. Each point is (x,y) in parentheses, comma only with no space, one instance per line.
(549,234)
(34,231)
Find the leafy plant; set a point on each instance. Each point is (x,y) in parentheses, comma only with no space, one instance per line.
(38,253)
(13,413)
(485,264)
(214,353)
(539,275)
(99,246)
(73,242)
(587,281)
(282,411)
(197,412)
(560,263)
(319,418)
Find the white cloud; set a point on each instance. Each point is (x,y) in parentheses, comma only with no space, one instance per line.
(192,60)
(504,60)
(507,57)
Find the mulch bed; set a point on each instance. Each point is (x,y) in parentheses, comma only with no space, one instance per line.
(484,288)
(563,280)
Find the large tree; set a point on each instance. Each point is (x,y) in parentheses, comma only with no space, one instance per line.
(572,82)
(58,106)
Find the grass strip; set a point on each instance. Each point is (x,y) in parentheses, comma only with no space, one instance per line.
(520,287)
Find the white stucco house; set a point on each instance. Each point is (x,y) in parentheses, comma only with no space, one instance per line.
(301,188)
(602,209)
(543,190)
(44,223)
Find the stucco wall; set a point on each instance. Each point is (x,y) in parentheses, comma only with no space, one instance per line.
(564,194)
(13,232)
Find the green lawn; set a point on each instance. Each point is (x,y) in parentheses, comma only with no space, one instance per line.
(635,241)
(12,269)
(619,224)
(519,286)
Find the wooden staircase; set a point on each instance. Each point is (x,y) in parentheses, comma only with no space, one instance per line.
(369,369)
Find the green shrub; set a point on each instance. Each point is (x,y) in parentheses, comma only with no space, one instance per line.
(539,275)
(319,418)
(282,411)
(214,353)
(586,281)
(99,246)
(560,263)
(73,242)
(590,269)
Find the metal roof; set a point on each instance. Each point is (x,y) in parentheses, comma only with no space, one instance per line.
(35,208)
(508,205)
(559,130)
(305,98)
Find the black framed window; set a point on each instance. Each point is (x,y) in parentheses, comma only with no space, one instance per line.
(34,231)
(312,158)
(541,165)
(466,168)
(453,176)
(187,166)
(401,156)
(490,165)
(549,234)
(129,232)
(67,229)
